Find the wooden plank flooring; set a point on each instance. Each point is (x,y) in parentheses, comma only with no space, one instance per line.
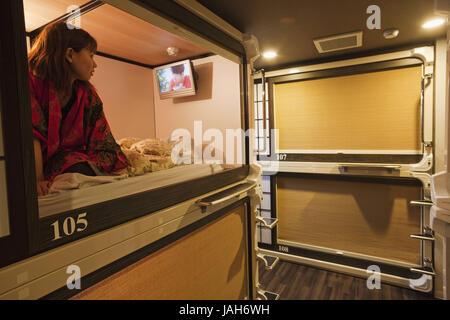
(298,282)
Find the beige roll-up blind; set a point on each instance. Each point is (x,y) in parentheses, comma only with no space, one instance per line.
(373,219)
(370,111)
(209,263)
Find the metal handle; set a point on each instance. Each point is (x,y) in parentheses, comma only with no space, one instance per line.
(421,203)
(422,105)
(213,203)
(267,222)
(263,79)
(267,295)
(369,166)
(423,270)
(269,261)
(424,237)
(243,188)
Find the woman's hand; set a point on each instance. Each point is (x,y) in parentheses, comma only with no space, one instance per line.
(119,172)
(43,188)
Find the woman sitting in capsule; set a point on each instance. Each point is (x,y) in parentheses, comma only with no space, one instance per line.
(70,130)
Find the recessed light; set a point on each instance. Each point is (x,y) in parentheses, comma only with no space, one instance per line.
(172,51)
(433,23)
(269,54)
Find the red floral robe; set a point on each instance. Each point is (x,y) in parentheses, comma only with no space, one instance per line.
(84,135)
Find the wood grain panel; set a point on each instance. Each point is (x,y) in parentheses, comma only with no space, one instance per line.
(40,12)
(298,282)
(123,35)
(361,217)
(371,111)
(209,263)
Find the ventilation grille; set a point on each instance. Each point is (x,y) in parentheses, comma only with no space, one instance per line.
(339,42)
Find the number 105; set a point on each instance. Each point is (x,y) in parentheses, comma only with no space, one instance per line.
(70,226)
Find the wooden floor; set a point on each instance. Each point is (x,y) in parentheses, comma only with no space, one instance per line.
(297,282)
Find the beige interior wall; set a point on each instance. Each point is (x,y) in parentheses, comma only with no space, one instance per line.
(216,104)
(371,111)
(127,94)
(361,217)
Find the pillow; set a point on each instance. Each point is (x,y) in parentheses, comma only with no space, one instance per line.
(153,147)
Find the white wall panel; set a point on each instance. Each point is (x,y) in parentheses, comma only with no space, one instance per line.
(265,184)
(265,204)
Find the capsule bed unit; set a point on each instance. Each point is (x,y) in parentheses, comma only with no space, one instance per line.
(186,232)
(351,164)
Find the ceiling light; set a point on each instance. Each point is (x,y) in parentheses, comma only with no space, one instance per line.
(433,23)
(269,54)
(294,71)
(172,51)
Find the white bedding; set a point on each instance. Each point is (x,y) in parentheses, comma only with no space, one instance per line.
(73,190)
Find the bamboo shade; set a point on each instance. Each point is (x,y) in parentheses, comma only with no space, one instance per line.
(362,217)
(371,111)
(209,263)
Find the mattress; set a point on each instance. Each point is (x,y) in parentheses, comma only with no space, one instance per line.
(116,188)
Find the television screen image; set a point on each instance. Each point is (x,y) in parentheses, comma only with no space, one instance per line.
(175,79)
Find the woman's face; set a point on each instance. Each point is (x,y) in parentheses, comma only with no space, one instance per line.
(82,64)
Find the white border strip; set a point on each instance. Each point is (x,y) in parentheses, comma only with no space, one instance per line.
(420,52)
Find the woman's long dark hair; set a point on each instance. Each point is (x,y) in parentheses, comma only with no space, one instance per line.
(47,57)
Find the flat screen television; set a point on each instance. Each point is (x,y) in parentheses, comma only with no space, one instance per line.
(176,80)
